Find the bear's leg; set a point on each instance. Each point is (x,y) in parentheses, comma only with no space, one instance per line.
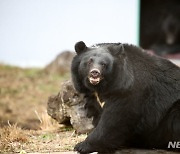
(168,130)
(93,108)
(114,130)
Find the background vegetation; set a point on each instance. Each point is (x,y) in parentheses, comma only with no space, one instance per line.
(24,123)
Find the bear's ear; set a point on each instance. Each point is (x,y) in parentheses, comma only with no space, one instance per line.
(80,47)
(119,49)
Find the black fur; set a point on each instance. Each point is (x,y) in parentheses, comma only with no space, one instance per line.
(141,94)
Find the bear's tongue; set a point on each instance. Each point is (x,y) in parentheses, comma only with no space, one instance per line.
(94,81)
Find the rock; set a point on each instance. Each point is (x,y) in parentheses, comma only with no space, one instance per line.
(68,105)
(61,64)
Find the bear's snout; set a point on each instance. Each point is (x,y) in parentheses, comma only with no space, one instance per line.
(95,73)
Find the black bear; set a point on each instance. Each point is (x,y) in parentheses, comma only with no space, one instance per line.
(160,26)
(168,40)
(141,94)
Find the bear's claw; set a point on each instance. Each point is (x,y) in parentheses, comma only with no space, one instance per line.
(83,148)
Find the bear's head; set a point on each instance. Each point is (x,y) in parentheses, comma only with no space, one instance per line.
(96,63)
(100,65)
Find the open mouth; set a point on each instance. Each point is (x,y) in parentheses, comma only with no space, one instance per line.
(94,76)
(94,81)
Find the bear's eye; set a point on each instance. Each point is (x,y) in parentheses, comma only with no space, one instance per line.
(103,65)
(90,61)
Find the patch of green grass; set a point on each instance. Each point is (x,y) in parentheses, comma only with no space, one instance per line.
(11,91)
(65,129)
(8,67)
(47,136)
(33,72)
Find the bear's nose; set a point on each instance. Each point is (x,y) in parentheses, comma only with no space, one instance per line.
(95,73)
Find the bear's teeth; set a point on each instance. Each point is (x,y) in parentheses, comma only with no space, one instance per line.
(94,80)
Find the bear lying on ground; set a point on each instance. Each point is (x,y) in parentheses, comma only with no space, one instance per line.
(141,94)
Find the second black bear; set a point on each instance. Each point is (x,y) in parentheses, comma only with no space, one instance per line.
(141,94)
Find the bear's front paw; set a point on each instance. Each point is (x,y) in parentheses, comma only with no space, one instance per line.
(83,148)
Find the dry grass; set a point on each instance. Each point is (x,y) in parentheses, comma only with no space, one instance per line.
(12,138)
(46,122)
(24,123)
(62,140)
